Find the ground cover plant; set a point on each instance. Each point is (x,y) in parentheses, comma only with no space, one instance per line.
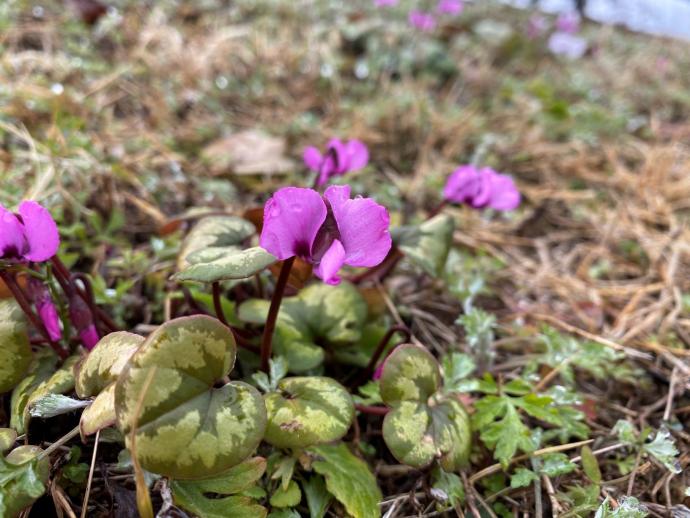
(378,258)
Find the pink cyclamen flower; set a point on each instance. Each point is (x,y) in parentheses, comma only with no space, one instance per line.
(536,26)
(45,308)
(482,188)
(567,45)
(452,7)
(421,20)
(385,3)
(82,320)
(340,158)
(89,337)
(568,22)
(328,231)
(32,235)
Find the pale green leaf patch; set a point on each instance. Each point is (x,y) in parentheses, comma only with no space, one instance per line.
(306,411)
(232,264)
(42,367)
(286,497)
(100,414)
(60,382)
(427,245)
(186,428)
(15,351)
(22,479)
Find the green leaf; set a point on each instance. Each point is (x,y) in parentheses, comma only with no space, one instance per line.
(410,373)
(289,497)
(186,428)
(555,464)
(52,405)
(105,362)
(101,413)
(219,234)
(306,411)
(318,497)
(663,449)
(284,513)
(349,479)
(320,316)
(590,465)
(447,487)
(456,367)
(190,494)
(284,471)
(234,264)
(60,382)
(625,431)
(42,367)
(523,477)
(628,507)
(22,479)
(7,438)
(15,350)
(428,244)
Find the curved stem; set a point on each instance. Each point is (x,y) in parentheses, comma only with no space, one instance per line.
(381,271)
(371,366)
(87,295)
(438,208)
(372,410)
(217,305)
(267,341)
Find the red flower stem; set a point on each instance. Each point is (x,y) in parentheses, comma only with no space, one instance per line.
(371,366)
(217,305)
(267,340)
(24,303)
(438,208)
(383,270)
(372,410)
(87,295)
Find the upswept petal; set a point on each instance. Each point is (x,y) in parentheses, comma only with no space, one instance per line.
(40,230)
(331,262)
(12,240)
(292,217)
(462,185)
(483,195)
(504,193)
(312,158)
(358,154)
(49,315)
(363,226)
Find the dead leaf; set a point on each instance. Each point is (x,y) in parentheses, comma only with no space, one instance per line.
(247,153)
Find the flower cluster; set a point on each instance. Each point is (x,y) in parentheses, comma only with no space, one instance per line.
(425,21)
(327,231)
(340,158)
(482,188)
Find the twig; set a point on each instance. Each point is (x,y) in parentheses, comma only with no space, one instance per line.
(88,483)
(57,444)
(371,366)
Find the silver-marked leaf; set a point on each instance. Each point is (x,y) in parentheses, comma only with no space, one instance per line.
(104,363)
(42,367)
(428,244)
(22,479)
(52,405)
(349,479)
(319,316)
(61,382)
(235,264)
(214,232)
(306,411)
(101,413)
(15,351)
(186,428)
(190,494)
(410,373)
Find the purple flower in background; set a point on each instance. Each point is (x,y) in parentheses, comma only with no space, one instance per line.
(421,20)
(568,23)
(452,7)
(46,308)
(82,320)
(568,45)
(537,26)
(89,337)
(482,188)
(328,231)
(340,158)
(30,236)
(385,3)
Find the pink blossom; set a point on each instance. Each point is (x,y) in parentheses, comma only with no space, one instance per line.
(339,158)
(385,3)
(421,20)
(452,7)
(32,235)
(482,188)
(568,22)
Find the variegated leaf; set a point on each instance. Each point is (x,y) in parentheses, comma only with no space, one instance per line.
(186,428)
(42,367)
(101,413)
(22,479)
(234,263)
(15,351)
(306,411)
(61,382)
(410,373)
(104,363)
(428,244)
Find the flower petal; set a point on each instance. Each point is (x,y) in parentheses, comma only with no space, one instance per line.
(89,337)
(462,185)
(40,230)
(363,226)
(452,7)
(504,193)
(483,195)
(358,155)
(49,315)
(331,262)
(12,240)
(312,158)
(421,20)
(338,153)
(292,217)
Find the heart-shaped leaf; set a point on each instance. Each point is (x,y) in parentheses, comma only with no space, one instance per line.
(190,494)
(186,428)
(306,411)
(288,497)
(235,264)
(330,316)
(427,245)
(349,479)
(22,479)
(105,362)
(214,232)
(42,367)
(15,351)
(424,422)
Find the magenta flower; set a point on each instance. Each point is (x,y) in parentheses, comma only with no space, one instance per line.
(89,336)
(82,320)
(45,308)
(340,158)
(32,235)
(568,22)
(385,3)
(421,20)
(328,231)
(536,26)
(482,188)
(568,45)
(452,7)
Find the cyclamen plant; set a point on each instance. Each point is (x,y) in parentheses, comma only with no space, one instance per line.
(340,158)
(482,188)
